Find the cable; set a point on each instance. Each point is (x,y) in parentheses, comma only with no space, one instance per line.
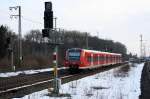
(32,21)
(5,13)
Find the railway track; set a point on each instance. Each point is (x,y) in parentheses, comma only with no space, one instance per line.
(21,80)
(24,81)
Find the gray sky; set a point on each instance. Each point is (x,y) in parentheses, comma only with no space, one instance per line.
(119,20)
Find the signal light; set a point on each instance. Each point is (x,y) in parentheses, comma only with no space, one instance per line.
(48,15)
(48,19)
(48,6)
(45,32)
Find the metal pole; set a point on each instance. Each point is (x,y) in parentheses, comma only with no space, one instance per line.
(55,61)
(19,32)
(87,41)
(12,60)
(144,49)
(55,22)
(141,46)
(56,87)
(20,37)
(12,54)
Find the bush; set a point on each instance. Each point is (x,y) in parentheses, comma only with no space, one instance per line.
(5,65)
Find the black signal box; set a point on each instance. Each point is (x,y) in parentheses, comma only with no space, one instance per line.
(45,32)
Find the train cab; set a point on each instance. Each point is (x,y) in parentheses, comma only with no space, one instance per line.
(73,58)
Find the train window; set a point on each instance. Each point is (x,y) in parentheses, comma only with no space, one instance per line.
(94,59)
(113,58)
(101,58)
(106,57)
(89,58)
(74,55)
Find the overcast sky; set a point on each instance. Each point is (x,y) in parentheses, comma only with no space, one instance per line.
(119,20)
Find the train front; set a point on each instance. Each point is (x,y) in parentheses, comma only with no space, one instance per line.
(72,58)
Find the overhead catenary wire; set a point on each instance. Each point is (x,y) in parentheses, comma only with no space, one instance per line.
(32,21)
(5,13)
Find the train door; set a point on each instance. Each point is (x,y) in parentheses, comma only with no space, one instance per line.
(92,59)
(104,59)
(88,59)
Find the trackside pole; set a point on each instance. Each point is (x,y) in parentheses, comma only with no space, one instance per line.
(54,40)
(55,62)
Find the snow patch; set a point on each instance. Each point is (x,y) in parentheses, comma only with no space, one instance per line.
(109,85)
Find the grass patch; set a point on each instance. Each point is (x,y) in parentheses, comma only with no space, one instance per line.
(59,95)
(99,87)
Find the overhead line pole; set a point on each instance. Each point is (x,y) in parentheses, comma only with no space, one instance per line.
(20,37)
(144,50)
(87,46)
(19,32)
(141,46)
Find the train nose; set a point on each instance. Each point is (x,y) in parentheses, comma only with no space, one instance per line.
(74,66)
(74,63)
(81,63)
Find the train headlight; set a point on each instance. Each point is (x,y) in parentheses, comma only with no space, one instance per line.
(66,62)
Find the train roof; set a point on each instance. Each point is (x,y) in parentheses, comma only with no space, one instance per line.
(94,51)
(101,52)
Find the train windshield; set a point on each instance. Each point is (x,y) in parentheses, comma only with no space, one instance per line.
(74,55)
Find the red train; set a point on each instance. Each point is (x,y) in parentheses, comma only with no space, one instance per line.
(77,58)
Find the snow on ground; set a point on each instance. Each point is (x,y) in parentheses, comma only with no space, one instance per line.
(10,74)
(118,83)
